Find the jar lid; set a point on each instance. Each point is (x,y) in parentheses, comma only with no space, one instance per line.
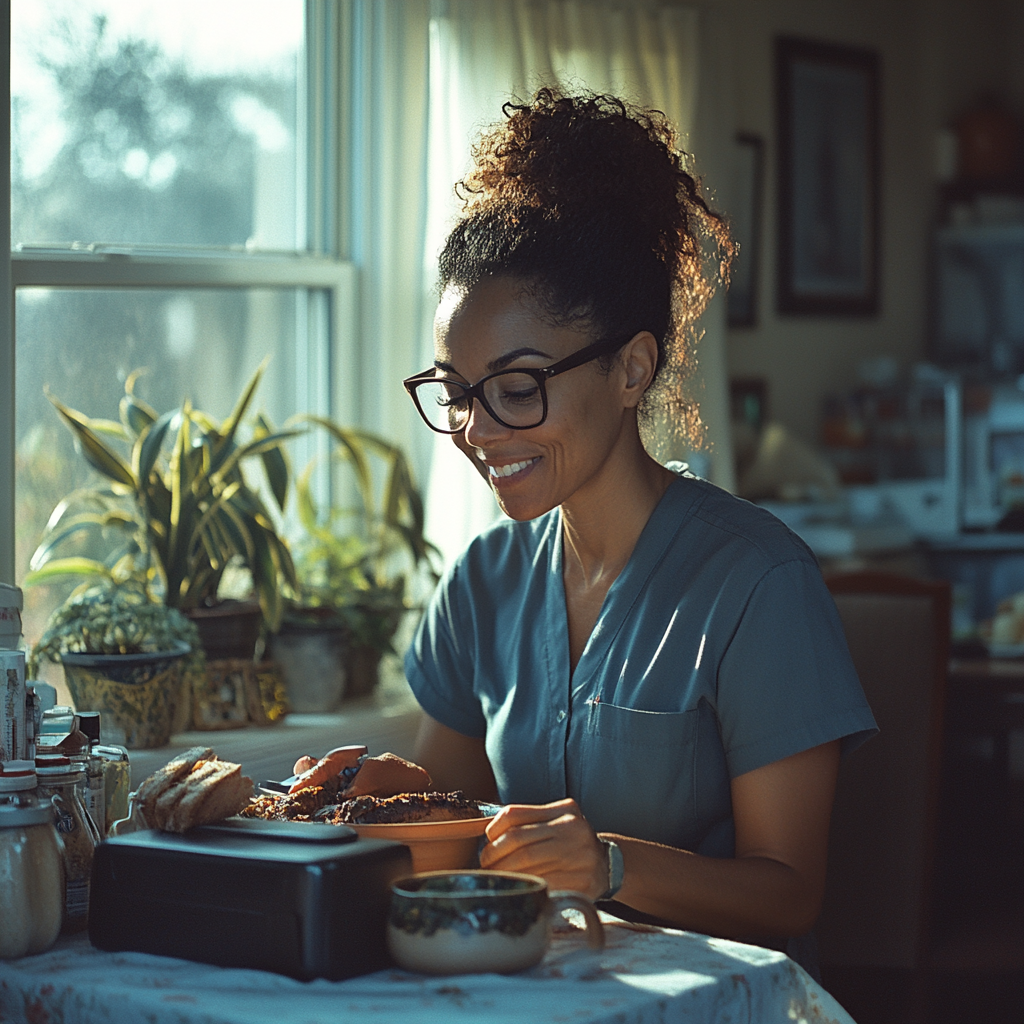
(17,816)
(60,773)
(51,759)
(16,776)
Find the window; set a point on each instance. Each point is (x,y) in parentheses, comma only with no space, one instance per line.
(168,212)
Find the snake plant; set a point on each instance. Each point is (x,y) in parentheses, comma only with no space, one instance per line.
(357,558)
(176,508)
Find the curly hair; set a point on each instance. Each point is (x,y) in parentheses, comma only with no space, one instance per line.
(588,202)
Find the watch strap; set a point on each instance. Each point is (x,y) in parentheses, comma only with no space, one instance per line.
(616,869)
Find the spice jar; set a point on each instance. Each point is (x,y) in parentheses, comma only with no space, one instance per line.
(60,781)
(31,865)
(90,762)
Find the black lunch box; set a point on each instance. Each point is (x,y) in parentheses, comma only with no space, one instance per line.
(302,899)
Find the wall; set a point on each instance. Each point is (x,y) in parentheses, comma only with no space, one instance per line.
(936,57)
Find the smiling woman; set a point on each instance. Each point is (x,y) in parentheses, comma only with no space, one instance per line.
(648,672)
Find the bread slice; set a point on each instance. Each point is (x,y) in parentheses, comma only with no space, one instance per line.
(212,793)
(150,791)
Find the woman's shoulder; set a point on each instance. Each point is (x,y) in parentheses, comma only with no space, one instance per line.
(722,520)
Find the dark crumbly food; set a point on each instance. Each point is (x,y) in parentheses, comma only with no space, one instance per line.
(404,808)
(299,806)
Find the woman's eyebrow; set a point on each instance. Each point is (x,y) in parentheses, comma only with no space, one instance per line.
(497,364)
(510,357)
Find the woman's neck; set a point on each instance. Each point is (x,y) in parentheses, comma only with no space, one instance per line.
(602,523)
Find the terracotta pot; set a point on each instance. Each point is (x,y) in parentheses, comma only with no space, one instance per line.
(229,629)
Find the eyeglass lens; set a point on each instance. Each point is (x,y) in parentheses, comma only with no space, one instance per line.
(515,399)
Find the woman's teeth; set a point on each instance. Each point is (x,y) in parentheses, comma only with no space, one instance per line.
(514,467)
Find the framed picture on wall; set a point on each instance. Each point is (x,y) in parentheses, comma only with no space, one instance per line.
(745,224)
(828,168)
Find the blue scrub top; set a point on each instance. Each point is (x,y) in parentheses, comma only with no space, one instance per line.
(718,650)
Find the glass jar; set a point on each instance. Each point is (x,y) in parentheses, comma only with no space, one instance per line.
(116,781)
(60,781)
(31,865)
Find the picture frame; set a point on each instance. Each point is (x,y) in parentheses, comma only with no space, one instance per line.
(828,175)
(745,226)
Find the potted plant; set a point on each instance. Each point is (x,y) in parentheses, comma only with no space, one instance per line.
(123,654)
(358,564)
(177,510)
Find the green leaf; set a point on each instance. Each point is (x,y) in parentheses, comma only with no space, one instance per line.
(275,463)
(150,443)
(136,416)
(97,454)
(61,567)
(82,523)
(230,425)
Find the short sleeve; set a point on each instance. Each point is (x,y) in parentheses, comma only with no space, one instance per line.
(786,681)
(439,662)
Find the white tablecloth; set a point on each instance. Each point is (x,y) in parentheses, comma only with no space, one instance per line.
(641,977)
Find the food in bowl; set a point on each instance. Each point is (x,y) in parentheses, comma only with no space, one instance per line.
(404,808)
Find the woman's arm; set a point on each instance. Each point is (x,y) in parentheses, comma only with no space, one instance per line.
(773,886)
(454,761)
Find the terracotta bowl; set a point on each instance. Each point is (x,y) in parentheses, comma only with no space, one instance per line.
(435,845)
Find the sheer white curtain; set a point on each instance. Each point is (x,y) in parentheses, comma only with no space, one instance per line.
(472,57)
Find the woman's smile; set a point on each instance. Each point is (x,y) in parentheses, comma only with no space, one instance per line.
(505,472)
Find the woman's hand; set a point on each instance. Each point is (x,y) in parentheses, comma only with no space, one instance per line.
(553,841)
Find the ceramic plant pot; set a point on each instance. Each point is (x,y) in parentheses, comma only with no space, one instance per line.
(229,629)
(136,694)
(312,659)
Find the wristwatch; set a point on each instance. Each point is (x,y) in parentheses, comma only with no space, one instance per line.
(616,869)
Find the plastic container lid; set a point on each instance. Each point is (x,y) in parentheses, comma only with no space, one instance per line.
(51,761)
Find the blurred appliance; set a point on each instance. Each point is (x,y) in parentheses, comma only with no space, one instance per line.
(979,299)
(993,429)
(900,451)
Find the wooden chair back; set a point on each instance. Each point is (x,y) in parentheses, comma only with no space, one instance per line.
(881,850)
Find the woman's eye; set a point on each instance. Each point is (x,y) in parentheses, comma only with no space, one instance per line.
(518,395)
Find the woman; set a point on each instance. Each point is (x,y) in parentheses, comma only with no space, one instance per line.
(647,671)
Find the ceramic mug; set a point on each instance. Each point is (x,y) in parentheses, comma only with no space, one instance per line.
(471,922)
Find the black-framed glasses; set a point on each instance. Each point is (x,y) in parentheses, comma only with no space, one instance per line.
(516,399)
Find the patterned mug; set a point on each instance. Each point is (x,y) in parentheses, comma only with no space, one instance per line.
(471,922)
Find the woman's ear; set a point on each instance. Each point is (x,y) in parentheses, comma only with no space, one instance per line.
(639,362)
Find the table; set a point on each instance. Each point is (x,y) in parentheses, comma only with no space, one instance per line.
(643,975)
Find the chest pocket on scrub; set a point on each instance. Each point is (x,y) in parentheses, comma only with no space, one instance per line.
(637,772)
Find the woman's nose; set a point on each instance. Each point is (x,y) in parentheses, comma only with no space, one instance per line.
(482,427)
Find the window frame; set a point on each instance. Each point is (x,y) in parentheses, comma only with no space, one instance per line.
(319,267)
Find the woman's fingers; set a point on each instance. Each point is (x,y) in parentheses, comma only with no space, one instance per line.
(553,841)
(516,815)
(304,764)
(331,764)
